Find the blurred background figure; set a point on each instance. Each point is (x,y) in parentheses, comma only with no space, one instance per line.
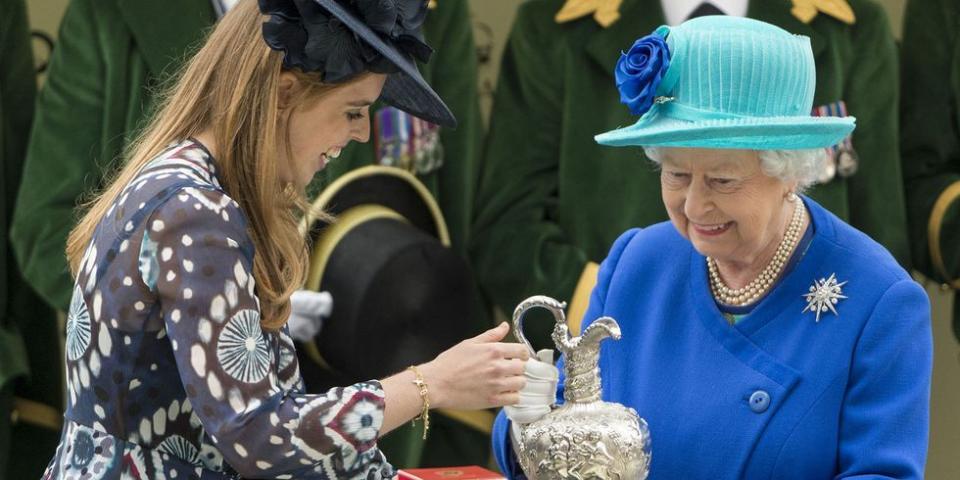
(930,138)
(30,374)
(108,61)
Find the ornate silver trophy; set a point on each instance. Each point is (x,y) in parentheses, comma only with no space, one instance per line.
(585,438)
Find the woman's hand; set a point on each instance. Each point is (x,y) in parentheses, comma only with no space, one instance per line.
(477,373)
(539,395)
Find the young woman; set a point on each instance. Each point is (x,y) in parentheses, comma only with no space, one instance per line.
(178,361)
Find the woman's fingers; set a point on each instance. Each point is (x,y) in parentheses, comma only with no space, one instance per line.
(512,350)
(512,384)
(508,368)
(505,398)
(495,334)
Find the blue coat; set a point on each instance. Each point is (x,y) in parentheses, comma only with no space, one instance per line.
(779,395)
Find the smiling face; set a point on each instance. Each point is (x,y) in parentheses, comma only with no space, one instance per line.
(723,202)
(320,128)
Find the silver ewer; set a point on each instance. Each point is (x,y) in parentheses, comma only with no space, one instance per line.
(585,438)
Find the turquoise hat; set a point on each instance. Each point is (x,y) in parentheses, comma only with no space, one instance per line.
(723,82)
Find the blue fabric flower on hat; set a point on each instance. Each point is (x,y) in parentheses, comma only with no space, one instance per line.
(313,40)
(640,71)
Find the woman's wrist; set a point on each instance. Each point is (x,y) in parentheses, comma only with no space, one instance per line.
(424,391)
(435,384)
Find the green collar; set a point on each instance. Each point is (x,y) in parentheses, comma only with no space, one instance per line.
(637,18)
(777,12)
(167,32)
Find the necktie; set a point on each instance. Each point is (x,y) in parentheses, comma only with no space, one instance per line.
(704,9)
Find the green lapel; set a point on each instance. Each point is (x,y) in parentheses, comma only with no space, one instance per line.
(165,30)
(637,18)
(778,13)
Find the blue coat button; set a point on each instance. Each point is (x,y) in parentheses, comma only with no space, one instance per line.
(759,401)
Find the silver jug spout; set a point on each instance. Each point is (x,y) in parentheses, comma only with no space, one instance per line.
(582,353)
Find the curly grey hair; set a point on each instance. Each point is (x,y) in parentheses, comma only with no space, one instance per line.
(801,166)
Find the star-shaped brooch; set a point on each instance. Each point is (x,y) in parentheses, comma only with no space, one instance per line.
(824,295)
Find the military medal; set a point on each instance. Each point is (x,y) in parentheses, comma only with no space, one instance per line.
(824,295)
(842,159)
(847,160)
(432,148)
(387,138)
(829,168)
(407,142)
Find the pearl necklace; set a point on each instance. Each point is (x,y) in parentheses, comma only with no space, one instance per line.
(752,291)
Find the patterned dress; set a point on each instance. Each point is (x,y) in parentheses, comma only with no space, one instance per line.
(169,373)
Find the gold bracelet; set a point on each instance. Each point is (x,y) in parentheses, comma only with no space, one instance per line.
(425,396)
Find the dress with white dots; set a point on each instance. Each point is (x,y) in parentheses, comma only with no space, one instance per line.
(169,373)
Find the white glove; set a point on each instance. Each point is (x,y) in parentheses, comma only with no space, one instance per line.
(307,311)
(538,395)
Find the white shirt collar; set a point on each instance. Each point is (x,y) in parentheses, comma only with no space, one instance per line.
(221,7)
(677,11)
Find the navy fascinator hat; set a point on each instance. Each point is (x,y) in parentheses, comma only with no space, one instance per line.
(341,39)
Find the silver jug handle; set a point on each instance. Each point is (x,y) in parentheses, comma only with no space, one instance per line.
(555,307)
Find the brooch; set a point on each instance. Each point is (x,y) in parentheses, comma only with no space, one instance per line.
(824,295)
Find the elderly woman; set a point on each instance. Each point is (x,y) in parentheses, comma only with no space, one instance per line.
(762,336)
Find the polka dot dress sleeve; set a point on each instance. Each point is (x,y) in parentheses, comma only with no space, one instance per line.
(197,256)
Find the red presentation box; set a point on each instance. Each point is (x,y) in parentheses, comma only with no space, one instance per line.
(450,473)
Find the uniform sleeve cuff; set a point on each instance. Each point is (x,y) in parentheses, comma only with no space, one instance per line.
(937,214)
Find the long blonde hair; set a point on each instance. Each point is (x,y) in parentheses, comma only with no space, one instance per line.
(231,87)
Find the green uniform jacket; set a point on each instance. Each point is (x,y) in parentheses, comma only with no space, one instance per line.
(109,53)
(930,129)
(551,199)
(17,90)
(29,366)
(110,56)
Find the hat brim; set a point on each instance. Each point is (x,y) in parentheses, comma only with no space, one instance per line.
(756,133)
(387,263)
(396,291)
(406,89)
(391,187)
